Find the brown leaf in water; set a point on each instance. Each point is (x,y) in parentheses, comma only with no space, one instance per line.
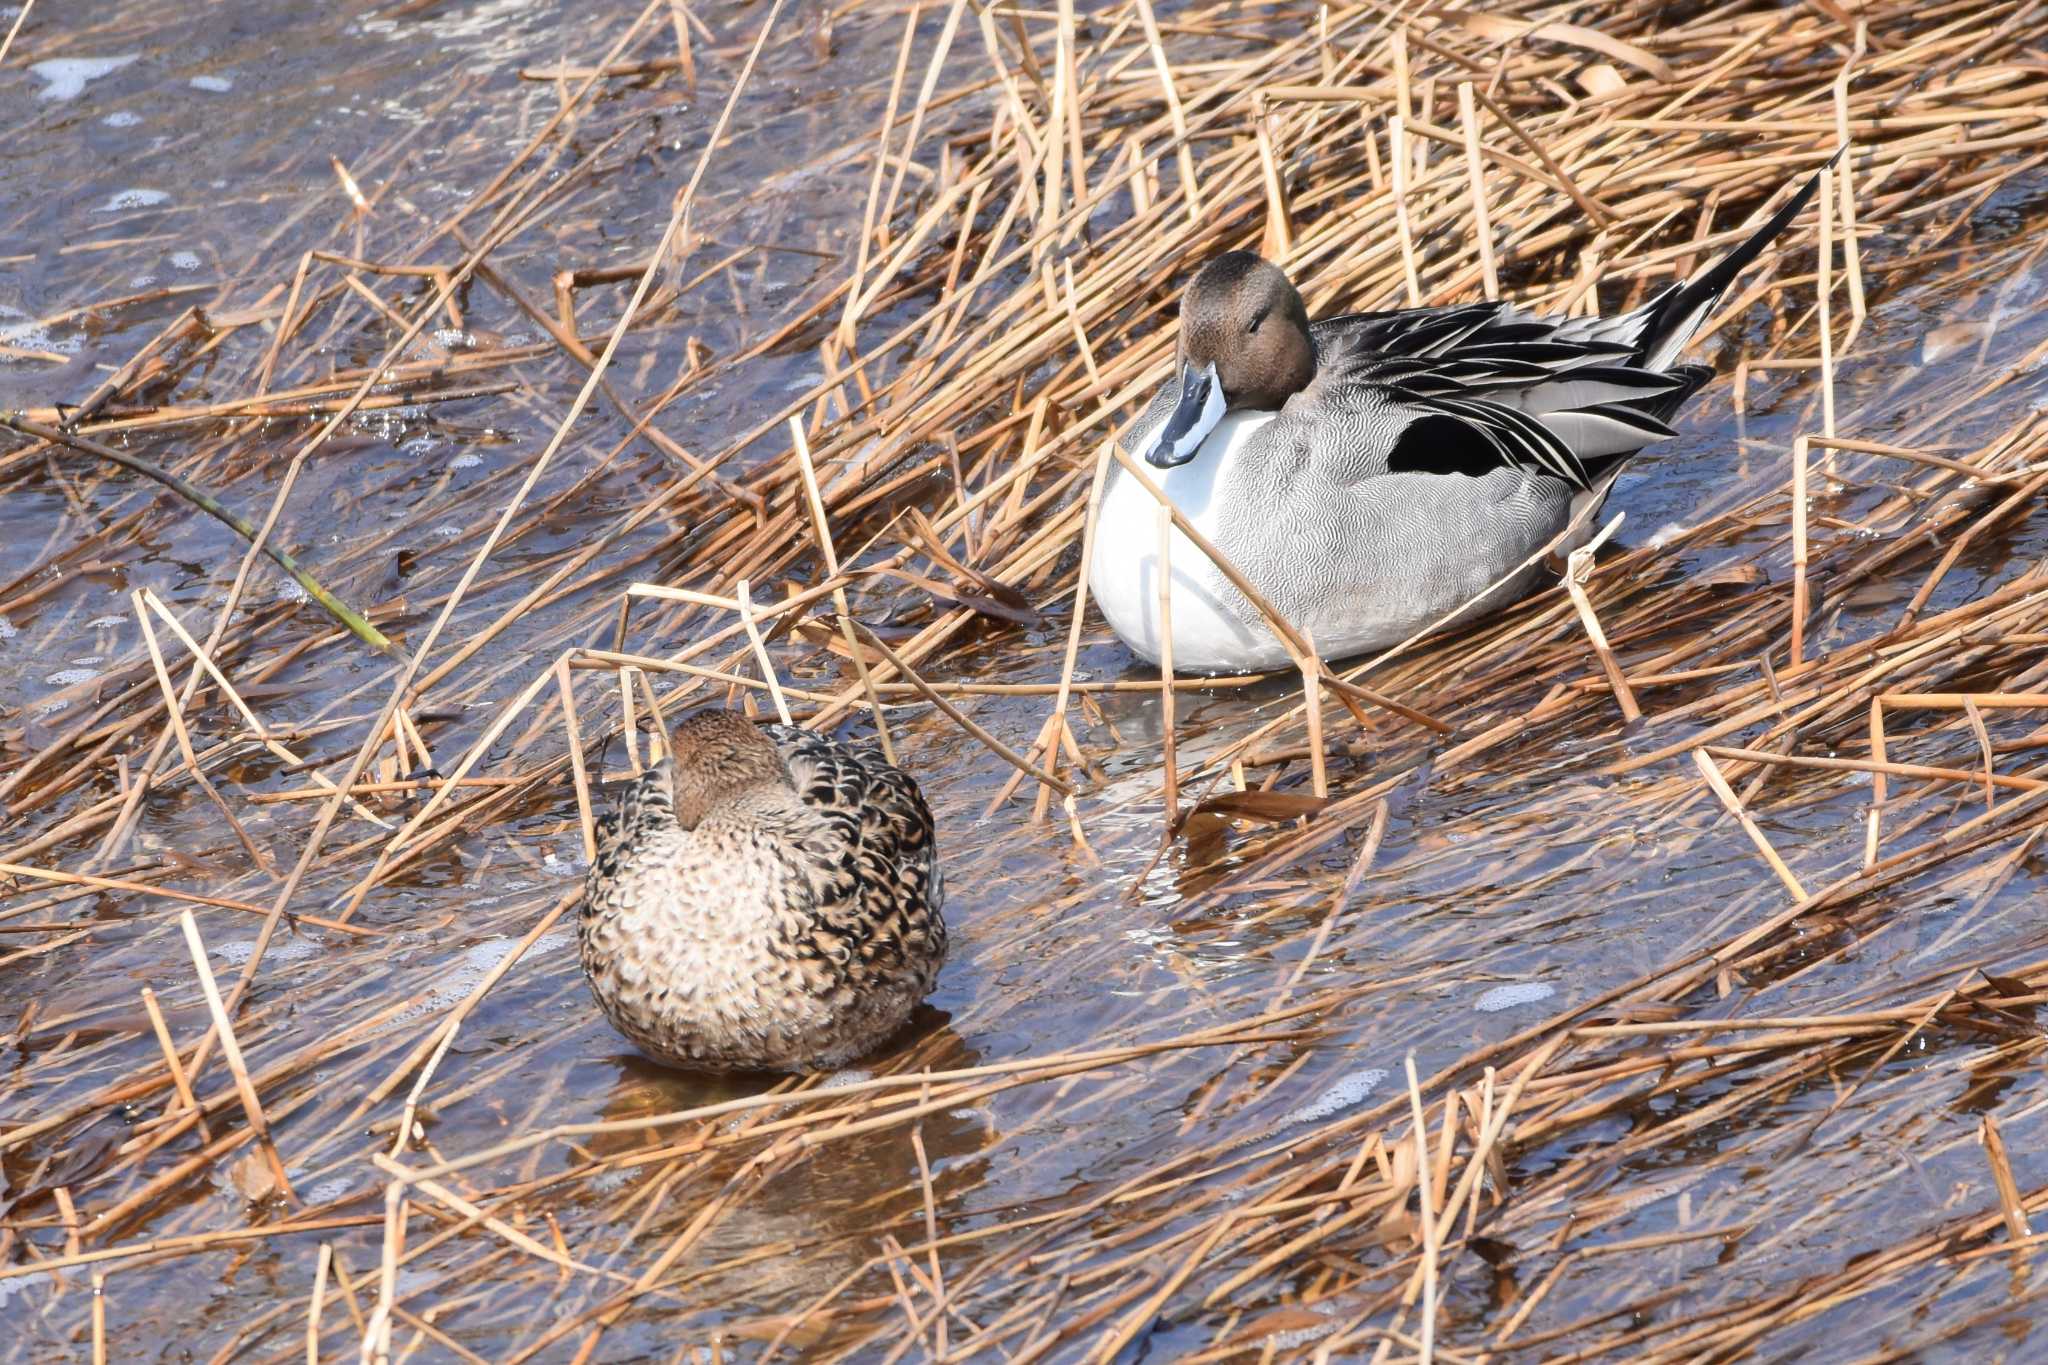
(1275,806)
(252,1178)
(1943,342)
(1279,1321)
(1731,576)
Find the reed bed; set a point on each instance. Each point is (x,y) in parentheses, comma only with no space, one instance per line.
(1650,972)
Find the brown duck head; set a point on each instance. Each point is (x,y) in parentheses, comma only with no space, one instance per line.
(720,756)
(1244,345)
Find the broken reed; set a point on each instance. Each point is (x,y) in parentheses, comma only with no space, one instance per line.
(1037,185)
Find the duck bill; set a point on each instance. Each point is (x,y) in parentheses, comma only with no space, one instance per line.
(1195,414)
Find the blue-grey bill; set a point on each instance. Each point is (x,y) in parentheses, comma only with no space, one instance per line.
(1195,414)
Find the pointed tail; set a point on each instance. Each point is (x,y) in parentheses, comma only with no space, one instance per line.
(1678,314)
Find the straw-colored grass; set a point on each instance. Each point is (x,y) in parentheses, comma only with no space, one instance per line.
(1758,793)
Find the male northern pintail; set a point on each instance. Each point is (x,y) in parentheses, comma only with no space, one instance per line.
(1373,473)
(766,899)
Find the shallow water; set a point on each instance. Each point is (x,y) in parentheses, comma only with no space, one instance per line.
(181,155)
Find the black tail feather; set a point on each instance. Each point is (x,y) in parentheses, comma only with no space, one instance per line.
(1688,301)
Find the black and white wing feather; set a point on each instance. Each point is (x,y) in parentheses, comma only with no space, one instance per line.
(1473,388)
(1469,388)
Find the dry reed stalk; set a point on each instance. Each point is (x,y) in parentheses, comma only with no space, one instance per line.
(252,1107)
(953,713)
(767,665)
(1056,725)
(1716,780)
(823,532)
(1578,568)
(171,1062)
(318,1303)
(1169,760)
(20,18)
(2009,1200)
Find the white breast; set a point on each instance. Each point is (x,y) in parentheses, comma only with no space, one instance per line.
(1208,637)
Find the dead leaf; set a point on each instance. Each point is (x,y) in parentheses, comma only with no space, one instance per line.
(1396,1227)
(252,1178)
(1943,342)
(1275,806)
(1494,28)
(1601,80)
(1732,576)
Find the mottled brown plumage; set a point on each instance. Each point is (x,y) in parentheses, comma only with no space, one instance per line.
(766,899)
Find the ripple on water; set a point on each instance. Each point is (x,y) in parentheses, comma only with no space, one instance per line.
(65,78)
(1513,994)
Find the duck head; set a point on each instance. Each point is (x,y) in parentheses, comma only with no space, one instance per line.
(719,757)
(1243,346)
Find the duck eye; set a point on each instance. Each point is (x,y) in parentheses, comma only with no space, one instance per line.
(1259,317)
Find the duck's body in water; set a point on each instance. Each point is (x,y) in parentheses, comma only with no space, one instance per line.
(766,899)
(1377,475)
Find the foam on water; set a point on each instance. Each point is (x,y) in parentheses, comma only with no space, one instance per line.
(218,85)
(553,939)
(1350,1089)
(122,118)
(20,1284)
(65,78)
(1301,1336)
(66,677)
(1513,994)
(32,337)
(106,622)
(7,630)
(457,979)
(135,199)
(184,260)
(280,950)
(327,1191)
(839,1080)
(292,590)
(448,530)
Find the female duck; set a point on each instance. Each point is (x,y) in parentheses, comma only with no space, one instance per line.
(766,899)
(1376,474)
